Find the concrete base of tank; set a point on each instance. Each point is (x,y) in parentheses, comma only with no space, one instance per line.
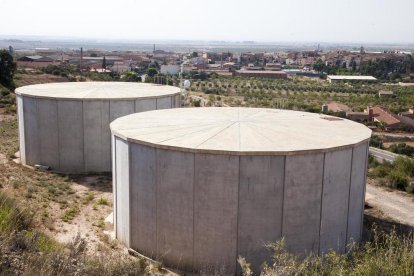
(73,136)
(199,212)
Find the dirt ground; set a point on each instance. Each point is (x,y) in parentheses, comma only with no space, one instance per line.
(393,205)
(388,144)
(63,205)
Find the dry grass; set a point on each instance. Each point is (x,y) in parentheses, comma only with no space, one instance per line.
(385,254)
(35,77)
(26,251)
(388,144)
(62,203)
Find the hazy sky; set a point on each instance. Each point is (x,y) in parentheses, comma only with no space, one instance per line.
(390,21)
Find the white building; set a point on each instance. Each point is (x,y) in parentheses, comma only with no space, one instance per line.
(332,78)
(170,69)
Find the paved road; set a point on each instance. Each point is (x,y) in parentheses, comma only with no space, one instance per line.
(382,155)
(397,205)
(395,135)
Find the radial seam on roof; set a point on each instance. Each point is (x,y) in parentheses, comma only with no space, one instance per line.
(253,114)
(247,125)
(158,126)
(231,124)
(184,135)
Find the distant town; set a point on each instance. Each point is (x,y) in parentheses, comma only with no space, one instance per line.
(341,70)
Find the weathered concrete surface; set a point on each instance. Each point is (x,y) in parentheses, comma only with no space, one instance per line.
(215,211)
(70,124)
(243,131)
(164,103)
(143,206)
(31,129)
(123,229)
(67,125)
(20,117)
(120,108)
(357,192)
(145,105)
(260,206)
(177,100)
(336,181)
(175,210)
(114,180)
(94,122)
(302,202)
(48,131)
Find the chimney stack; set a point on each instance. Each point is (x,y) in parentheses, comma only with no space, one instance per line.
(81,60)
(370,114)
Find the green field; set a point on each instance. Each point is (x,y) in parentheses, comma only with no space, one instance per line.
(302,94)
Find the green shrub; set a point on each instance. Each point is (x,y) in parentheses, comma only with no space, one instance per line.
(398,180)
(384,254)
(376,142)
(404,165)
(12,218)
(402,148)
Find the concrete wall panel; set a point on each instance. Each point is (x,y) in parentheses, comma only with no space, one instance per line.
(114,187)
(106,134)
(143,206)
(260,206)
(175,177)
(145,105)
(356,193)
(48,133)
(70,116)
(121,108)
(164,103)
(302,202)
(95,157)
(31,128)
(123,191)
(20,115)
(215,211)
(334,217)
(177,101)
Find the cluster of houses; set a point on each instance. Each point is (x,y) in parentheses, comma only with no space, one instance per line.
(274,65)
(403,121)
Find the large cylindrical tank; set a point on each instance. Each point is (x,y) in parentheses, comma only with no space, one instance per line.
(65,126)
(196,188)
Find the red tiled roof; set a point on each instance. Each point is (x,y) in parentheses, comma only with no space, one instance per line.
(382,115)
(337,107)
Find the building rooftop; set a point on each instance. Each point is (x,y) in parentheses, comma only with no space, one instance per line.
(97,90)
(334,77)
(388,93)
(382,115)
(261,72)
(239,131)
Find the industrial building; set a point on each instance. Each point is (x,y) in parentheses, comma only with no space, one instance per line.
(334,78)
(198,187)
(260,74)
(65,126)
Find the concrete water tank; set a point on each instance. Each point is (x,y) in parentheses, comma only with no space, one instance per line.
(198,187)
(65,126)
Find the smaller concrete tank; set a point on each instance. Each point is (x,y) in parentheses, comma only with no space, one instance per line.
(65,126)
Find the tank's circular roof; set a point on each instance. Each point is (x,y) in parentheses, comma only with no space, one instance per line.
(240,131)
(97,90)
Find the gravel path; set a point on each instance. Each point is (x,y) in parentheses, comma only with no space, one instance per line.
(397,205)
